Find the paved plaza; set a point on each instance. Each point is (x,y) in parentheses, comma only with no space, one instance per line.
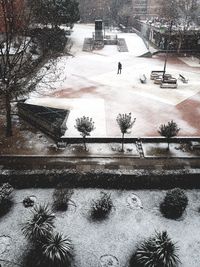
(89,85)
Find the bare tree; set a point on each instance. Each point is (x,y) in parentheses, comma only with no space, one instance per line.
(169,130)
(22,61)
(181,14)
(17,65)
(121,11)
(85,126)
(125,123)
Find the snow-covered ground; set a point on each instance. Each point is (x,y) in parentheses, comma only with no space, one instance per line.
(191,61)
(89,85)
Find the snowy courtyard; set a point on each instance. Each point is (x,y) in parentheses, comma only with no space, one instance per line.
(89,85)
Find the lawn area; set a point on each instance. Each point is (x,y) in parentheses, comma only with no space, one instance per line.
(109,242)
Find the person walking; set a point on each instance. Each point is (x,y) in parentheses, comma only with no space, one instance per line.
(119,70)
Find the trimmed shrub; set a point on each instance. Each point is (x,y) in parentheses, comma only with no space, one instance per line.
(5,198)
(101,207)
(157,251)
(28,202)
(41,224)
(174,203)
(61,198)
(57,251)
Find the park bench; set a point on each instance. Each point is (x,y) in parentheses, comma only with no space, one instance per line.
(183,79)
(143,78)
(159,78)
(156,73)
(169,83)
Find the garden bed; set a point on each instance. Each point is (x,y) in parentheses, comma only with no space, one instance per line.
(176,150)
(109,242)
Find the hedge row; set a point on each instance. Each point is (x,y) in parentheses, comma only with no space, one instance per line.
(109,180)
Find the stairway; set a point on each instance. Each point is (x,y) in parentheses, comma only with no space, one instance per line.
(88,45)
(121,45)
(139,147)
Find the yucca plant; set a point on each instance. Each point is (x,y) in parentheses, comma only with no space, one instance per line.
(57,251)
(157,251)
(41,224)
(102,206)
(62,198)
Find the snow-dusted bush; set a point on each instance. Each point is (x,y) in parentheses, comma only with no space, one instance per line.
(28,202)
(61,198)
(5,197)
(174,203)
(102,206)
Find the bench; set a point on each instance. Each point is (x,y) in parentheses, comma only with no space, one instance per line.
(183,79)
(156,73)
(159,74)
(159,79)
(169,84)
(170,80)
(143,78)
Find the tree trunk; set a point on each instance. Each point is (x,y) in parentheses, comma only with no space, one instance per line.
(8,116)
(84,143)
(179,43)
(168,140)
(122,142)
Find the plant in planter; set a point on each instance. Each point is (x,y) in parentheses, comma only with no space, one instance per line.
(57,251)
(5,198)
(101,207)
(62,198)
(157,251)
(169,130)
(174,203)
(85,126)
(41,224)
(125,123)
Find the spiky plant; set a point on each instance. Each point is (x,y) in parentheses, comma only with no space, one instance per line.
(61,198)
(157,251)
(40,225)
(102,206)
(57,251)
